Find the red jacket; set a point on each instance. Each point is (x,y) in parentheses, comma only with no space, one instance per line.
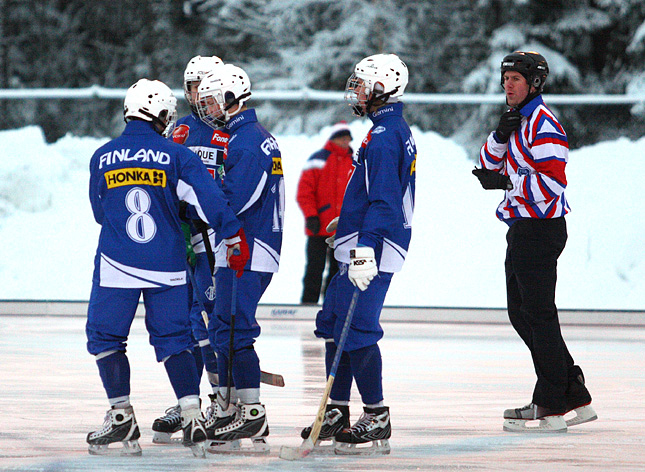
(322,184)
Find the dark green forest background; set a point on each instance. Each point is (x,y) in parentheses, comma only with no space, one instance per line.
(593,47)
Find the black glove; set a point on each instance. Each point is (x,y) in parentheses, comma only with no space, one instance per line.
(491,179)
(313,224)
(508,122)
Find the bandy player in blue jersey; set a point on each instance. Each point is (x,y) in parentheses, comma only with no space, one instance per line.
(371,242)
(136,183)
(209,145)
(254,186)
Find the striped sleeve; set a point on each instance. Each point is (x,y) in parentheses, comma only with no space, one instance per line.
(492,154)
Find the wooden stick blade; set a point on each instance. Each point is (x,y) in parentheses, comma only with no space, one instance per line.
(295,453)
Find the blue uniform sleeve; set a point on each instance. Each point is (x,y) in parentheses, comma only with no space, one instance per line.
(244,179)
(95,200)
(196,187)
(384,195)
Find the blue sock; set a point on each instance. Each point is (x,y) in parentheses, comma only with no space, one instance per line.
(182,374)
(210,360)
(115,374)
(246,369)
(341,390)
(199,361)
(367,368)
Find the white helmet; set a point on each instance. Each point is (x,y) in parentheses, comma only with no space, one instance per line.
(151,100)
(195,71)
(378,78)
(220,90)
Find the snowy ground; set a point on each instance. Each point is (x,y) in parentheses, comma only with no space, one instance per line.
(456,256)
(446,384)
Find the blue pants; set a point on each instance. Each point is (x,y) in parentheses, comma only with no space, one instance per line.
(206,293)
(250,287)
(111,311)
(365,329)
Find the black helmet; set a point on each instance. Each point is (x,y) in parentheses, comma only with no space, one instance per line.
(531,65)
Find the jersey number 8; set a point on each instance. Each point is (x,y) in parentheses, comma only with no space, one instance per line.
(141,227)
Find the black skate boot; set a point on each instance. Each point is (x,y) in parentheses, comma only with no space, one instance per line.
(217,417)
(550,421)
(372,427)
(167,425)
(249,422)
(120,425)
(578,399)
(336,419)
(192,425)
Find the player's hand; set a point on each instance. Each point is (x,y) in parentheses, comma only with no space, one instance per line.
(312,223)
(237,242)
(362,267)
(333,224)
(491,179)
(509,122)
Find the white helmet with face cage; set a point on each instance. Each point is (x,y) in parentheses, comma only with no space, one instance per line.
(220,91)
(379,77)
(196,69)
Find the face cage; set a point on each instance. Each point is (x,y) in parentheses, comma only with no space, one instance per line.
(170,124)
(194,83)
(353,89)
(210,118)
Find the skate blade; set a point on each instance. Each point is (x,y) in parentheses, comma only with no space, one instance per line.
(257,446)
(129,448)
(165,438)
(549,424)
(377,447)
(583,414)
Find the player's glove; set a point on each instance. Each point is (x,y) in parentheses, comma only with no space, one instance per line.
(331,227)
(190,251)
(362,267)
(491,179)
(313,224)
(508,122)
(237,261)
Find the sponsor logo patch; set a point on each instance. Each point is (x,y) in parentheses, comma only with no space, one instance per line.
(135,176)
(220,138)
(277,166)
(180,134)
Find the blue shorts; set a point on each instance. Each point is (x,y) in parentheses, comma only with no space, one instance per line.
(111,311)
(250,288)
(365,329)
(206,293)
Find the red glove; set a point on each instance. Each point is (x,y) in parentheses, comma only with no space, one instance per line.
(237,252)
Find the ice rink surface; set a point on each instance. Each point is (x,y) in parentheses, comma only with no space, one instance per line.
(446,384)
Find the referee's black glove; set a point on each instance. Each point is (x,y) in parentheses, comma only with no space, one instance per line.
(491,179)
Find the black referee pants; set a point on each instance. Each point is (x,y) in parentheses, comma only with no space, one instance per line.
(534,246)
(318,254)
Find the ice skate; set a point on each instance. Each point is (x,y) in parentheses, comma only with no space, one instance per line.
(192,424)
(165,426)
(372,427)
(249,422)
(521,420)
(336,419)
(217,417)
(120,426)
(579,409)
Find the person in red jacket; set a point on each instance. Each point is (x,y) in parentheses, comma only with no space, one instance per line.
(320,195)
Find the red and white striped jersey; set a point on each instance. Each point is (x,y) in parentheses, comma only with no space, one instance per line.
(534,158)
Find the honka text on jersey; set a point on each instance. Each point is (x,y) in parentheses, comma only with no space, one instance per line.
(143,155)
(135,176)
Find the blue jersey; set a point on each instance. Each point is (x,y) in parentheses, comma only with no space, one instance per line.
(136,183)
(254,186)
(379,200)
(210,146)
